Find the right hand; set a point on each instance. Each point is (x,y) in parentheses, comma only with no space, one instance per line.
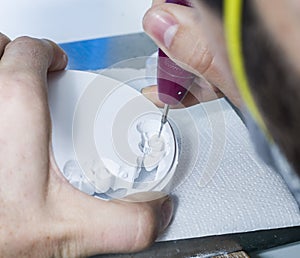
(194,39)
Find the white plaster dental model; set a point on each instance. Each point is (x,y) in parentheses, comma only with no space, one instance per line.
(106,170)
(154,161)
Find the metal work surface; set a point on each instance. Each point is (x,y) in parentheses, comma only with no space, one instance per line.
(217,245)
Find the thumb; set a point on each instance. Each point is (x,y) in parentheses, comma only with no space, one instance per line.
(118,226)
(194,40)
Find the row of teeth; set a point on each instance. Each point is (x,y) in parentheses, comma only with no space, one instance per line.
(153,149)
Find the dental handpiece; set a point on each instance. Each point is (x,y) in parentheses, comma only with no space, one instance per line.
(173,82)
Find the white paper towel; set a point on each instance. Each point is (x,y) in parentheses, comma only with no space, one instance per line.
(221,186)
(243,195)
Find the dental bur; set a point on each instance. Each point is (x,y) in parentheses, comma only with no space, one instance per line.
(173,82)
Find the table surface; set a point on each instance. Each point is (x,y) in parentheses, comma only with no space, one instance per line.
(72,20)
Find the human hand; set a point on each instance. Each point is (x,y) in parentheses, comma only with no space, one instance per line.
(41,214)
(196,43)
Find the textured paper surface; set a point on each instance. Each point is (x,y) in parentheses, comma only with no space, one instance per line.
(220,185)
(241,193)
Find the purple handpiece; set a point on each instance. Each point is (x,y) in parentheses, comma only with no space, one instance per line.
(180,2)
(173,81)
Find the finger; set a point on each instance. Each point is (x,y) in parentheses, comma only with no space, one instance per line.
(95,226)
(24,112)
(33,56)
(195,96)
(201,91)
(156,2)
(151,93)
(198,93)
(59,57)
(4,40)
(195,41)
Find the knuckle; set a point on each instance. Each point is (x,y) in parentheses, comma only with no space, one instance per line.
(25,40)
(32,46)
(201,58)
(3,40)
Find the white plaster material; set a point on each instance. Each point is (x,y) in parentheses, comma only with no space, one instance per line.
(74,175)
(155,153)
(101,169)
(242,195)
(156,157)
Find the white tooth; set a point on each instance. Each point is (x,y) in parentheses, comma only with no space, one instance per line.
(72,171)
(150,162)
(87,187)
(157,143)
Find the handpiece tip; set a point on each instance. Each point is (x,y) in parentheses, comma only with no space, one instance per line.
(164,118)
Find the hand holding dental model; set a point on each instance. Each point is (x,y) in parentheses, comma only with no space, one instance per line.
(41,214)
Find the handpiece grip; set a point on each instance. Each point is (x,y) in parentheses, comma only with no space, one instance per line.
(173,81)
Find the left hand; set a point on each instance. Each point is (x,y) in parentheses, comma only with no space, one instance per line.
(41,214)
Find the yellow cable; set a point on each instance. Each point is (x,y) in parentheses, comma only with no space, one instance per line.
(233,21)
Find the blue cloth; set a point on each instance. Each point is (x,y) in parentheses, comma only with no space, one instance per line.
(102,53)
(87,54)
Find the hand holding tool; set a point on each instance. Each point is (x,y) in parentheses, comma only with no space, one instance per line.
(173,82)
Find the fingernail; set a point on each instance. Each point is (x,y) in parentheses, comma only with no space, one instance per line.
(150,94)
(166,214)
(143,90)
(65,58)
(162,26)
(146,90)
